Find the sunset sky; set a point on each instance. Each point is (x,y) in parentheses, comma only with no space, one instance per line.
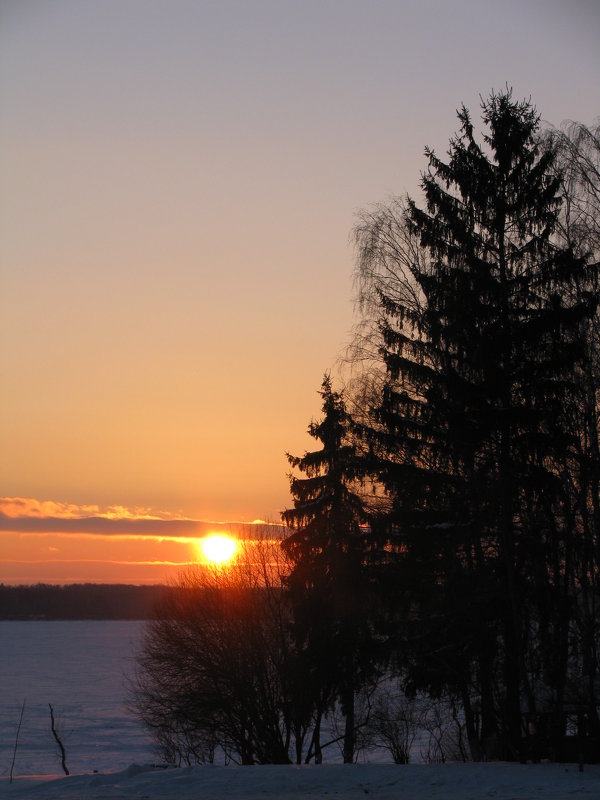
(179,181)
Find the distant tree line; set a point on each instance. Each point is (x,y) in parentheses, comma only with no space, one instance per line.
(444,537)
(79,601)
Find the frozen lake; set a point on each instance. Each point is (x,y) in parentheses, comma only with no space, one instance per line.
(81,669)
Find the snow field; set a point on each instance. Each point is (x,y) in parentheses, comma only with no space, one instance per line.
(351,782)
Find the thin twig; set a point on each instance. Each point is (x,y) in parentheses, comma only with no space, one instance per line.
(12,766)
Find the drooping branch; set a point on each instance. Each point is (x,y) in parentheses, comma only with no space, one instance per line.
(58,740)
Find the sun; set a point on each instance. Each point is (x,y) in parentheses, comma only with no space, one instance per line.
(217,548)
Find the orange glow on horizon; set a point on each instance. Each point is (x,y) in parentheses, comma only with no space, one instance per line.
(30,558)
(98,545)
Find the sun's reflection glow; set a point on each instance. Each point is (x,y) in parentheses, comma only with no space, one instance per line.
(217,548)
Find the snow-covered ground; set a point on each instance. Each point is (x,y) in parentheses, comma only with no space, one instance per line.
(380,781)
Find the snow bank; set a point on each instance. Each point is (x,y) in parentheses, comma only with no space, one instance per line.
(381,781)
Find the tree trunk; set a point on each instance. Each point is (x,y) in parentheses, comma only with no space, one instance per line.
(350,730)
(470,723)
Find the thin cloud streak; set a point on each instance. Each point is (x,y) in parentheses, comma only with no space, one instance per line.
(14,507)
(28,515)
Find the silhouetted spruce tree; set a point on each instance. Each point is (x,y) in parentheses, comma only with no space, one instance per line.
(327,581)
(480,336)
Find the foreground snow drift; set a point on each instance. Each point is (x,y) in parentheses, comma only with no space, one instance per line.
(381,781)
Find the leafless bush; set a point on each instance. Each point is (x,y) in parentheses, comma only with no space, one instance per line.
(445,736)
(397,721)
(214,667)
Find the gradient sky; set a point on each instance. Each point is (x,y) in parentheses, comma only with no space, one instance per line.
(178,184)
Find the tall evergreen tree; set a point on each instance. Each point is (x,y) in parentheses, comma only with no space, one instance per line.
(481,354)
(327,547)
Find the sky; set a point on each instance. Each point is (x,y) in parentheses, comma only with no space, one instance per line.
(179,182)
